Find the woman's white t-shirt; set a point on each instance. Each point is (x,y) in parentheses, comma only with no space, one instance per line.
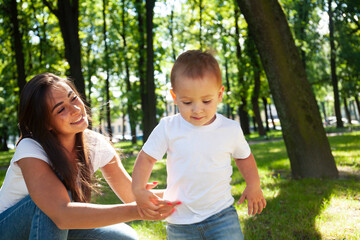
(14,188)
(198,164)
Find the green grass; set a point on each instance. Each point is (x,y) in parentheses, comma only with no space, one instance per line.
(296,209)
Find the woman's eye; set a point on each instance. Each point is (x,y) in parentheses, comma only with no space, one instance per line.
(74,98)
(60,111)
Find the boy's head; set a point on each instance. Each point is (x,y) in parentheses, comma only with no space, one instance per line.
(195,64)
(196,86)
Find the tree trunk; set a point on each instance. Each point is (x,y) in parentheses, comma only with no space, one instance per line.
(302,20)
(227,81)
(3,140)
(257,81)
(141,61)
(255,102)
(200,22)
(324,112)
(107,69)
(357,104)
(334,80)
(305,139)
(130,108)
(171,32)
(272,117)
(347,111)
(266,114)
(67,12)
(243,114)
(149,109)
(17,45)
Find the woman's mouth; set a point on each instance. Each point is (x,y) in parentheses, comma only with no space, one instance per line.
(79,120)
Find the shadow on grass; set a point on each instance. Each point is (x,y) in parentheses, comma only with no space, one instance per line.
(291,213)
(294,206)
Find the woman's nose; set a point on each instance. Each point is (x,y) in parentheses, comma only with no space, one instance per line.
(75,109)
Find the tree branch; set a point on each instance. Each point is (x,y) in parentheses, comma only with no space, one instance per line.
(51,7)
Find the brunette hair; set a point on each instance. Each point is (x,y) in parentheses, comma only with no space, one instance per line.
(34,116)
(195,64)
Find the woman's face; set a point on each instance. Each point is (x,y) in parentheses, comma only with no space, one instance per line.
(67,111)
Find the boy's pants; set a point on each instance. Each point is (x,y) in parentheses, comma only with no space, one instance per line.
(221,226)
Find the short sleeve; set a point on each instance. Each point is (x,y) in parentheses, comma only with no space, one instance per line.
(157,144)
(101,152)
(241,146)
(29,148)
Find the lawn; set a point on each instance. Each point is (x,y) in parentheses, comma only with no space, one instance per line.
(297,209)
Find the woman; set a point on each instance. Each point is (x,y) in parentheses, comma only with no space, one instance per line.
(47,188)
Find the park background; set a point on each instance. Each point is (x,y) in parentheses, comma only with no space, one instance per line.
(290,69)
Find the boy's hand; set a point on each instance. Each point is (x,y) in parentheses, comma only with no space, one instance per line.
(147,202)
(255,199)
(150,205)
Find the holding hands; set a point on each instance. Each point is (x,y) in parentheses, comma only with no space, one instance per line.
(151,206)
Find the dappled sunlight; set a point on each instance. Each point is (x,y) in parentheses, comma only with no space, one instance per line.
(339,217)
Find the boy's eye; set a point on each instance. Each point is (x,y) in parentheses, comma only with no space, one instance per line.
(187,103)
(207,101)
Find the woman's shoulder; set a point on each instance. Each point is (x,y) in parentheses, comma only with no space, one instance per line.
(93,137)
(28,143)
(27,148)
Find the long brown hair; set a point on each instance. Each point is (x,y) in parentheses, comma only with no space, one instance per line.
(34,116)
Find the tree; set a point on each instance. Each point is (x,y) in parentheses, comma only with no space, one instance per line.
(148,91)
(17,44)
(129,88)
(107,70)
(243,114)
(334,79)
(305,139)
(67,12)
(252,53)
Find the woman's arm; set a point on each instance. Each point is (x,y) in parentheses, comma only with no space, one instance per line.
(118,179)
(50,195)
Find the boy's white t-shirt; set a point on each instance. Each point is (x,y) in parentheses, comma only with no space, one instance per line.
(14,188)
(198,164)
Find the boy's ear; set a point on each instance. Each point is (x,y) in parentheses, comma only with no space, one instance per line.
(221,93)
(173,95)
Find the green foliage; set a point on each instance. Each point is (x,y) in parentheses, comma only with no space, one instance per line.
(178,26)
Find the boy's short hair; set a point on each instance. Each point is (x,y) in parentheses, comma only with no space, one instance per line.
(195,64)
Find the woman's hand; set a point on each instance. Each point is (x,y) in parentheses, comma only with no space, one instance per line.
(165,209)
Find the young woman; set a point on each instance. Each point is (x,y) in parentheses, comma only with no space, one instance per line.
(48,185)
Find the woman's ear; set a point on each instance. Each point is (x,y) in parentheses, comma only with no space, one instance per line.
(173,95)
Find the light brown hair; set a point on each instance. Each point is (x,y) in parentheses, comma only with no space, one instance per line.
(195,64)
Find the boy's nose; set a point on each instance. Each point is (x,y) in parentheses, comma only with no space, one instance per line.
(197,108)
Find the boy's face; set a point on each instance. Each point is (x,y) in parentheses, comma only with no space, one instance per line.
(197,99)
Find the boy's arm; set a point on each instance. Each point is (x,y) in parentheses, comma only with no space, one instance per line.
(145,199)
(252,193)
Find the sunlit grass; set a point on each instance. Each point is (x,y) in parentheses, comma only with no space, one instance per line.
(334,213)
(296,209)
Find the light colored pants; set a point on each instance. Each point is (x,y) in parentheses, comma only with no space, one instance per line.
(25,220)
(221,226)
